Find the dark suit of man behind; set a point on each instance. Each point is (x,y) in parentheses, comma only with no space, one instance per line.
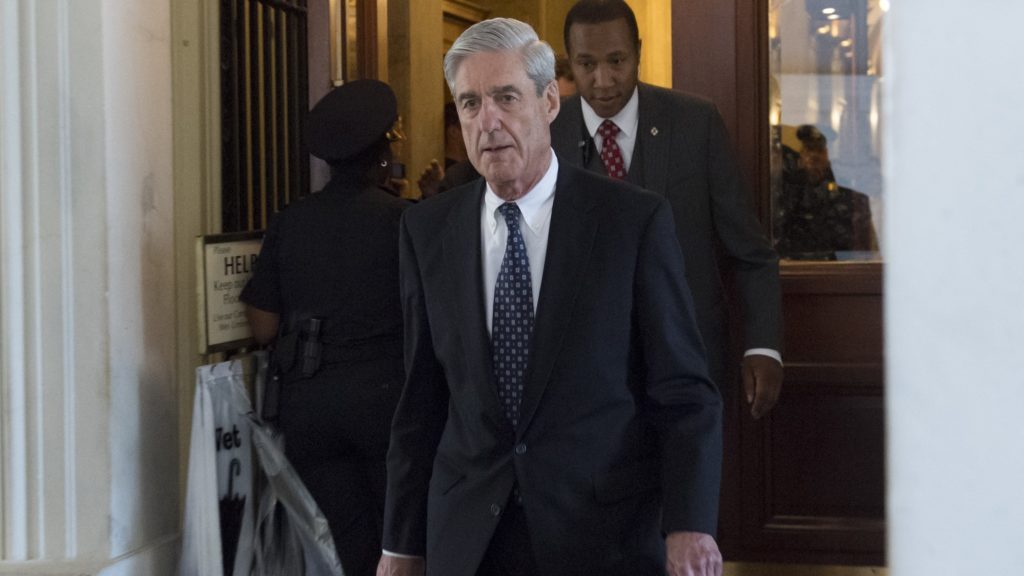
(682,153)
(618,441)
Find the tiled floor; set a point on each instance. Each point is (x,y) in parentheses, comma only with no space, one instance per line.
(742,569)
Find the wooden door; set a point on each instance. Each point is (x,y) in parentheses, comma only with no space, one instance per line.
(805,484)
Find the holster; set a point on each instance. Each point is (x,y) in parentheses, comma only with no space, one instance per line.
(300,348)
(282,357)
(311,347)
(284,352)
(271,395)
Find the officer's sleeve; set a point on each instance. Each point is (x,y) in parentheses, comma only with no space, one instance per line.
(263,290)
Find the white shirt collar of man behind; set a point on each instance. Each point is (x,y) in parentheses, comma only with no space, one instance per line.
(628,119)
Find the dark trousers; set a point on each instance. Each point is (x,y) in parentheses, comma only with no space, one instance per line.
(510,552)
(335,439)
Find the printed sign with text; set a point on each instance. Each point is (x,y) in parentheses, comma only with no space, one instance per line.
(226,261)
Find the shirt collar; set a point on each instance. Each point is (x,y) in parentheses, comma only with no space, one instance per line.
(626,119)
(531,204)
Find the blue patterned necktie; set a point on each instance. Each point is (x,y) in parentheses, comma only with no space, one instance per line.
(513,317)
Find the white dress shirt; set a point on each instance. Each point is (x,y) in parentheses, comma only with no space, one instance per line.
(535,207)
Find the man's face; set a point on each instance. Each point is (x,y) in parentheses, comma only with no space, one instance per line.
(504,122)
(605,63)
(816,164)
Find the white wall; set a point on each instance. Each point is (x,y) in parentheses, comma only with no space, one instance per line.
(143,425)
(954,167)
(54,279)
(88,428)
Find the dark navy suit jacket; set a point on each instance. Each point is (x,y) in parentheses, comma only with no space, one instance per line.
(620,432)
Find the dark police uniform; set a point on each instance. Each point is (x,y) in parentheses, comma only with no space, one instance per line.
(333,257)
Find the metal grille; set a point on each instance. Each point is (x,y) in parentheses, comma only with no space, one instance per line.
(264,93)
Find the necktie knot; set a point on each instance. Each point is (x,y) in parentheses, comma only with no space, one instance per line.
(608,129)
(510,212)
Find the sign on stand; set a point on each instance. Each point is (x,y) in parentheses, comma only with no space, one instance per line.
(225,263)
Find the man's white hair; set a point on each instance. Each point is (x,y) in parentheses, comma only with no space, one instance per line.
(499,35)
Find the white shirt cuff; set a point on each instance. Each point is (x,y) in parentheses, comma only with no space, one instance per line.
(397,555)
(764,352)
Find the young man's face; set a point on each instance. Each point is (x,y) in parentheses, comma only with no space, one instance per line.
(605,63)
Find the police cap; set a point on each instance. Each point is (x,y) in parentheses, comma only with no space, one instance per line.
(349,119)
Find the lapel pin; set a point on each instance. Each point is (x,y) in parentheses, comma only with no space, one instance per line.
(654,131)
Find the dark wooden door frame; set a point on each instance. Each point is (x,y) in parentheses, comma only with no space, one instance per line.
(720,51)
(366,45)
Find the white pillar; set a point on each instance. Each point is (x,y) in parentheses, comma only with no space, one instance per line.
(88,429)
(954,167)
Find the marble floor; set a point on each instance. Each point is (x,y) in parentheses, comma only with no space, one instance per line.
(746,569)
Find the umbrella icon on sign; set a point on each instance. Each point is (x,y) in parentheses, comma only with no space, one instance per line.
(232,509)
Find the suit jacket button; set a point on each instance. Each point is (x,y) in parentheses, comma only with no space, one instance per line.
(495,509)
(520,449)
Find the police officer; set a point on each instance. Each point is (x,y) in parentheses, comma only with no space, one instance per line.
(325,291)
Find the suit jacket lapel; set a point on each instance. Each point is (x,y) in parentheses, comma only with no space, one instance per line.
(573,229)
(653,140)
(574,137)
(464,268)
(571,134)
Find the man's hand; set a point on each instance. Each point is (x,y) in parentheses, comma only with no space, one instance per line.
(397,566)
(762,382)
(691,554)
(430,179)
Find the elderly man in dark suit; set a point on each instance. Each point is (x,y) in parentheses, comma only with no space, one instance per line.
(558,417)
(675,145)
